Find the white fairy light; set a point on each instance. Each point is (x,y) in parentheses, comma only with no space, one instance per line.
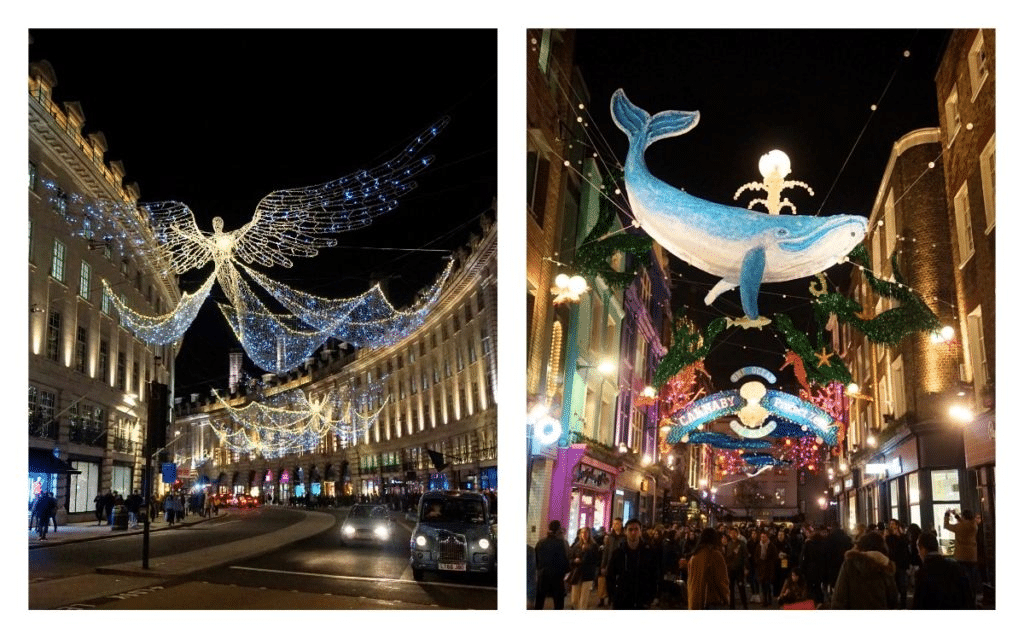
(287,223)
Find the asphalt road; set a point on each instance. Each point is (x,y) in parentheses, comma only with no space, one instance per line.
(313,573)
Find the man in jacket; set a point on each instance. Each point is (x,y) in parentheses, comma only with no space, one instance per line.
(941,583)
(813,564)
(736,562)
(898,549)
(612,540)
(552,554)
(633,571)
(865,581)
(766,558)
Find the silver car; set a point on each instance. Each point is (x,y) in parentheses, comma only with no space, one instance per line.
(366,522)
(454,532)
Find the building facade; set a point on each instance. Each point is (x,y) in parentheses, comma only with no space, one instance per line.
(433,394)
(87,373)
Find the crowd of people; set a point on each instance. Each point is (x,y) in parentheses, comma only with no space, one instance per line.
(885,566)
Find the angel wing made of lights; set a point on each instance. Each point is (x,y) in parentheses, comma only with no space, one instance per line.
(287,223)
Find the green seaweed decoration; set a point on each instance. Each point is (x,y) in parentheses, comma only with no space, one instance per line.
(595,252)
(688,346)
(891,326)
(831,370)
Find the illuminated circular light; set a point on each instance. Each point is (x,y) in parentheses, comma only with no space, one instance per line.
(843,467)
(647,460)
(421,541)
(577,284)
(484,544)
(774,161)
(562,281)
(349,530)
(547,431)
(649,392)
(961,413)
(607,367)
(871,440)
(852,388)
(381,532)
(947,333)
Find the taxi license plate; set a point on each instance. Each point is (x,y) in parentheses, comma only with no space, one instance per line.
(458,566)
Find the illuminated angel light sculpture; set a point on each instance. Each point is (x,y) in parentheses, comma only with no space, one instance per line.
(287,223)
(744,248)
(294,422)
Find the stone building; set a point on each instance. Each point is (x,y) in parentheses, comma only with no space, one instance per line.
(434,397)
(87,373)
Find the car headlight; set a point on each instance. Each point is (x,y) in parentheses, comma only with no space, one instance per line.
(421,541)
(349,530)
(381,532)
(484,544)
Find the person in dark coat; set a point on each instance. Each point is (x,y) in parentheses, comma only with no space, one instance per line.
(941,583)
(736,562)
(837,543)
(133,504)
(98,504)
(584,558)
(108,508)
(707,576)
(814,565)
(784,562)
(552,555)
(612,540)
(766,558)
(633,572)
(898,548)
(866,580)
(41,511)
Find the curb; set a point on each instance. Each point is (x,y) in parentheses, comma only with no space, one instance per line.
(118,533)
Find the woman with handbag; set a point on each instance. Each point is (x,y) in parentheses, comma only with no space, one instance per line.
(584,558)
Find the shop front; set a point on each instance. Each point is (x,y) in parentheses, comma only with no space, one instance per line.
(590,504)
(45,472)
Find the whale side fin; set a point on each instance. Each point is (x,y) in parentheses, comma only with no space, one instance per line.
(718,289)
(635,122)
(750,280)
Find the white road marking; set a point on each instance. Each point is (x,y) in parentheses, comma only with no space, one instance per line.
(350,578)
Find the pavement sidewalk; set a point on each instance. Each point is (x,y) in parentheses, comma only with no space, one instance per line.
(118,578)
(87,531)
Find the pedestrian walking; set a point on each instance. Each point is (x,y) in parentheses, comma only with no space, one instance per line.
(633,571)
(612,540)
(813,563)
(584,558)
(736,562)
(766,558)
(98,505)
(942,583)
(170,507)
(707,576)
(552,554)
(41,513)
(898,548)
(866,580)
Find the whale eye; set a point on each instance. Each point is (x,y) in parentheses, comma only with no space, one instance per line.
(781,232)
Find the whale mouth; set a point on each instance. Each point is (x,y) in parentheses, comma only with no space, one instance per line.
(846,232)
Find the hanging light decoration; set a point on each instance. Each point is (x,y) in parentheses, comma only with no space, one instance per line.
(287,223)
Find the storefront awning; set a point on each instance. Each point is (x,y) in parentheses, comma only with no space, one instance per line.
(43,461)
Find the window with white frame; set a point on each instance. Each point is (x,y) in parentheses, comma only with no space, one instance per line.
(952,115)
(899,400)
(977,63)
(964,232)
(988,182)
(58,263)
(84,280)
(976,344)
(890,228)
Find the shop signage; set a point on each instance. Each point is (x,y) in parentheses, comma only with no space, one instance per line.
(169,472)
(585,475)
(892,467)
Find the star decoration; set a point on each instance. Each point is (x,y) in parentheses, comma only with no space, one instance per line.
(824,356)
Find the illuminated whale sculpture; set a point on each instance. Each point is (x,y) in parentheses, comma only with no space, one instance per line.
(742,247)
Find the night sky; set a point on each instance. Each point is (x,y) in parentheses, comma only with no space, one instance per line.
(217,119)
(806,92)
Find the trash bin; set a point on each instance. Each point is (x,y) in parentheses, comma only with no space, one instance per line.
(120,518)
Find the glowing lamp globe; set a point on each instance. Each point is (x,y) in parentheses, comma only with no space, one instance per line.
(562,281)
(577,284)
(547,431)
(852,388)
(774,161)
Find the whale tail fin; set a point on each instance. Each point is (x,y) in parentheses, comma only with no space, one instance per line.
(641,127)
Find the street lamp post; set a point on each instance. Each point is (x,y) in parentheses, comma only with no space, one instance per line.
(156,433)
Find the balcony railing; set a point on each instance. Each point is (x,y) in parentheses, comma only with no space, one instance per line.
(88,435)
(47,429)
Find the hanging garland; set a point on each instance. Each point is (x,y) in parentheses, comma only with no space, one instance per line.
(891,326)
(688,346)
(819,366)
(595,252)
